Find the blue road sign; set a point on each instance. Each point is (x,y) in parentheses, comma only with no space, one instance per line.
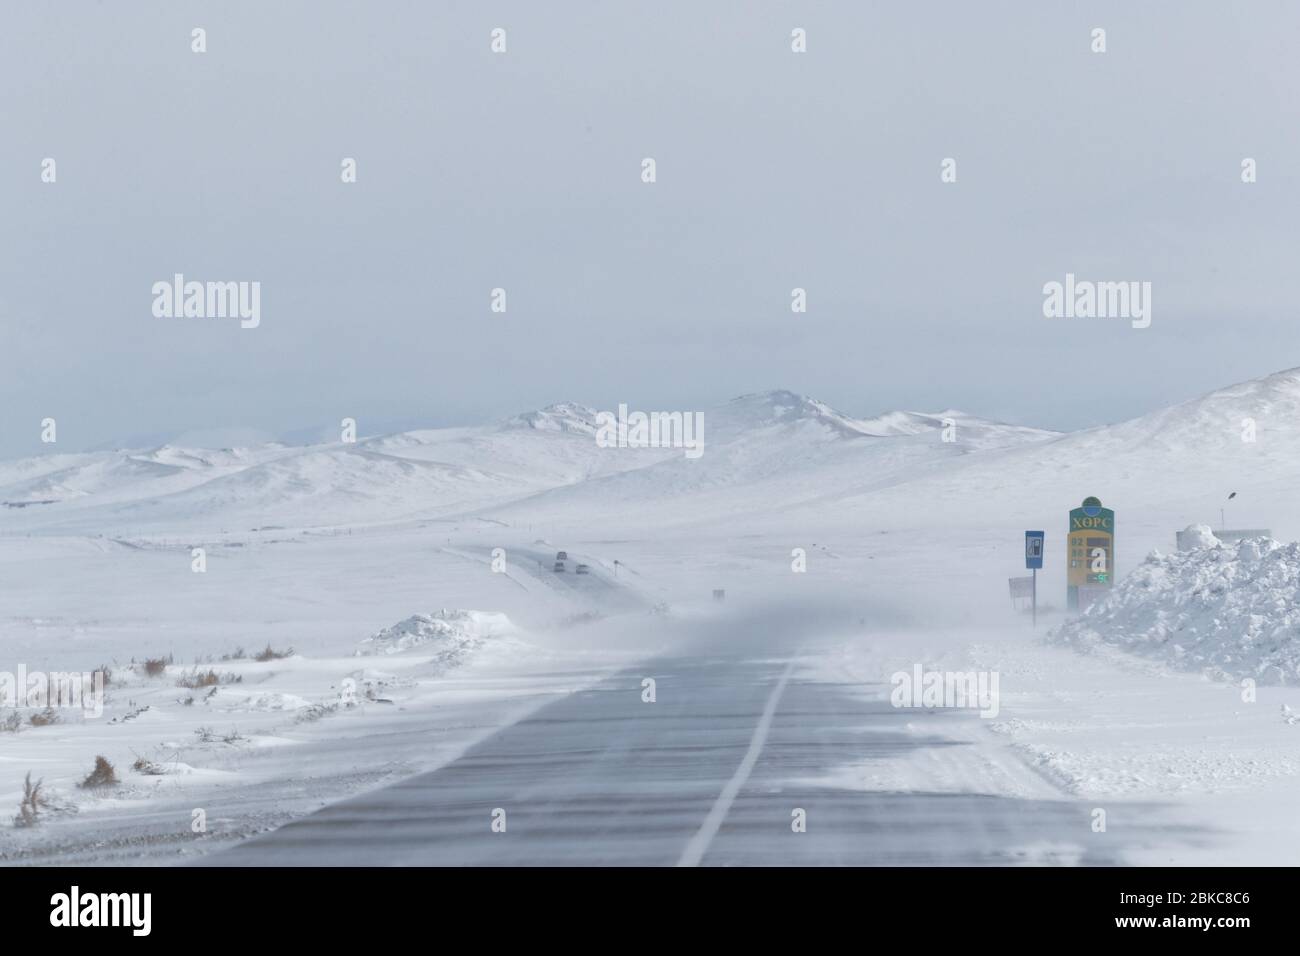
(1034,550)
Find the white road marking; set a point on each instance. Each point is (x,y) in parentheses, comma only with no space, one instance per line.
(699,844)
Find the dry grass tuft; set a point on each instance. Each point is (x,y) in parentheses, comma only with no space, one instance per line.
(103,775)
(209,678)
(45,718)
(148,767)
(32,804)
(156,666)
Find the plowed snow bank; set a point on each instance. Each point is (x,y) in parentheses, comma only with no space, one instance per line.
(1232,611)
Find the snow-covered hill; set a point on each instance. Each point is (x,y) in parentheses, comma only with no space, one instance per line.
(776,457)
(765,451)
(562,417)
(1160,472)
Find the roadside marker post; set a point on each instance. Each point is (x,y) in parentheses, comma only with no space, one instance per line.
(1090,553)
(1034,561)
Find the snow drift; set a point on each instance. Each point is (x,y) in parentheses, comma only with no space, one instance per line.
(453,635)
(1231,611)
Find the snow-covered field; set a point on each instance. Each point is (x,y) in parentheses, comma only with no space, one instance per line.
(401,594)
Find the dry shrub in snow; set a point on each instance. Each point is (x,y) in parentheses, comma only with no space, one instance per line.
(208,678)
(147,767)
(156,666)
(46,717)
(102,776)
(32,804)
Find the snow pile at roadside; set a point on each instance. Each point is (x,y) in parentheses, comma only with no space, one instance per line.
(1232,611)
(1199,536)
(452,634)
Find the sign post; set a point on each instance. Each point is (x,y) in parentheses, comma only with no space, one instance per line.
(1090,547)
(1034,561)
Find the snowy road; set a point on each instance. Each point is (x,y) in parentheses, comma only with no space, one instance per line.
(709,773)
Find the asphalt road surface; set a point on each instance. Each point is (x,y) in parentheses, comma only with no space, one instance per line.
(710,773)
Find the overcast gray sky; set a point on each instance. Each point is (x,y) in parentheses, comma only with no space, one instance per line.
(775,170)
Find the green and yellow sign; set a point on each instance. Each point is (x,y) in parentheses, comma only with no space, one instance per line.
(1090,550)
